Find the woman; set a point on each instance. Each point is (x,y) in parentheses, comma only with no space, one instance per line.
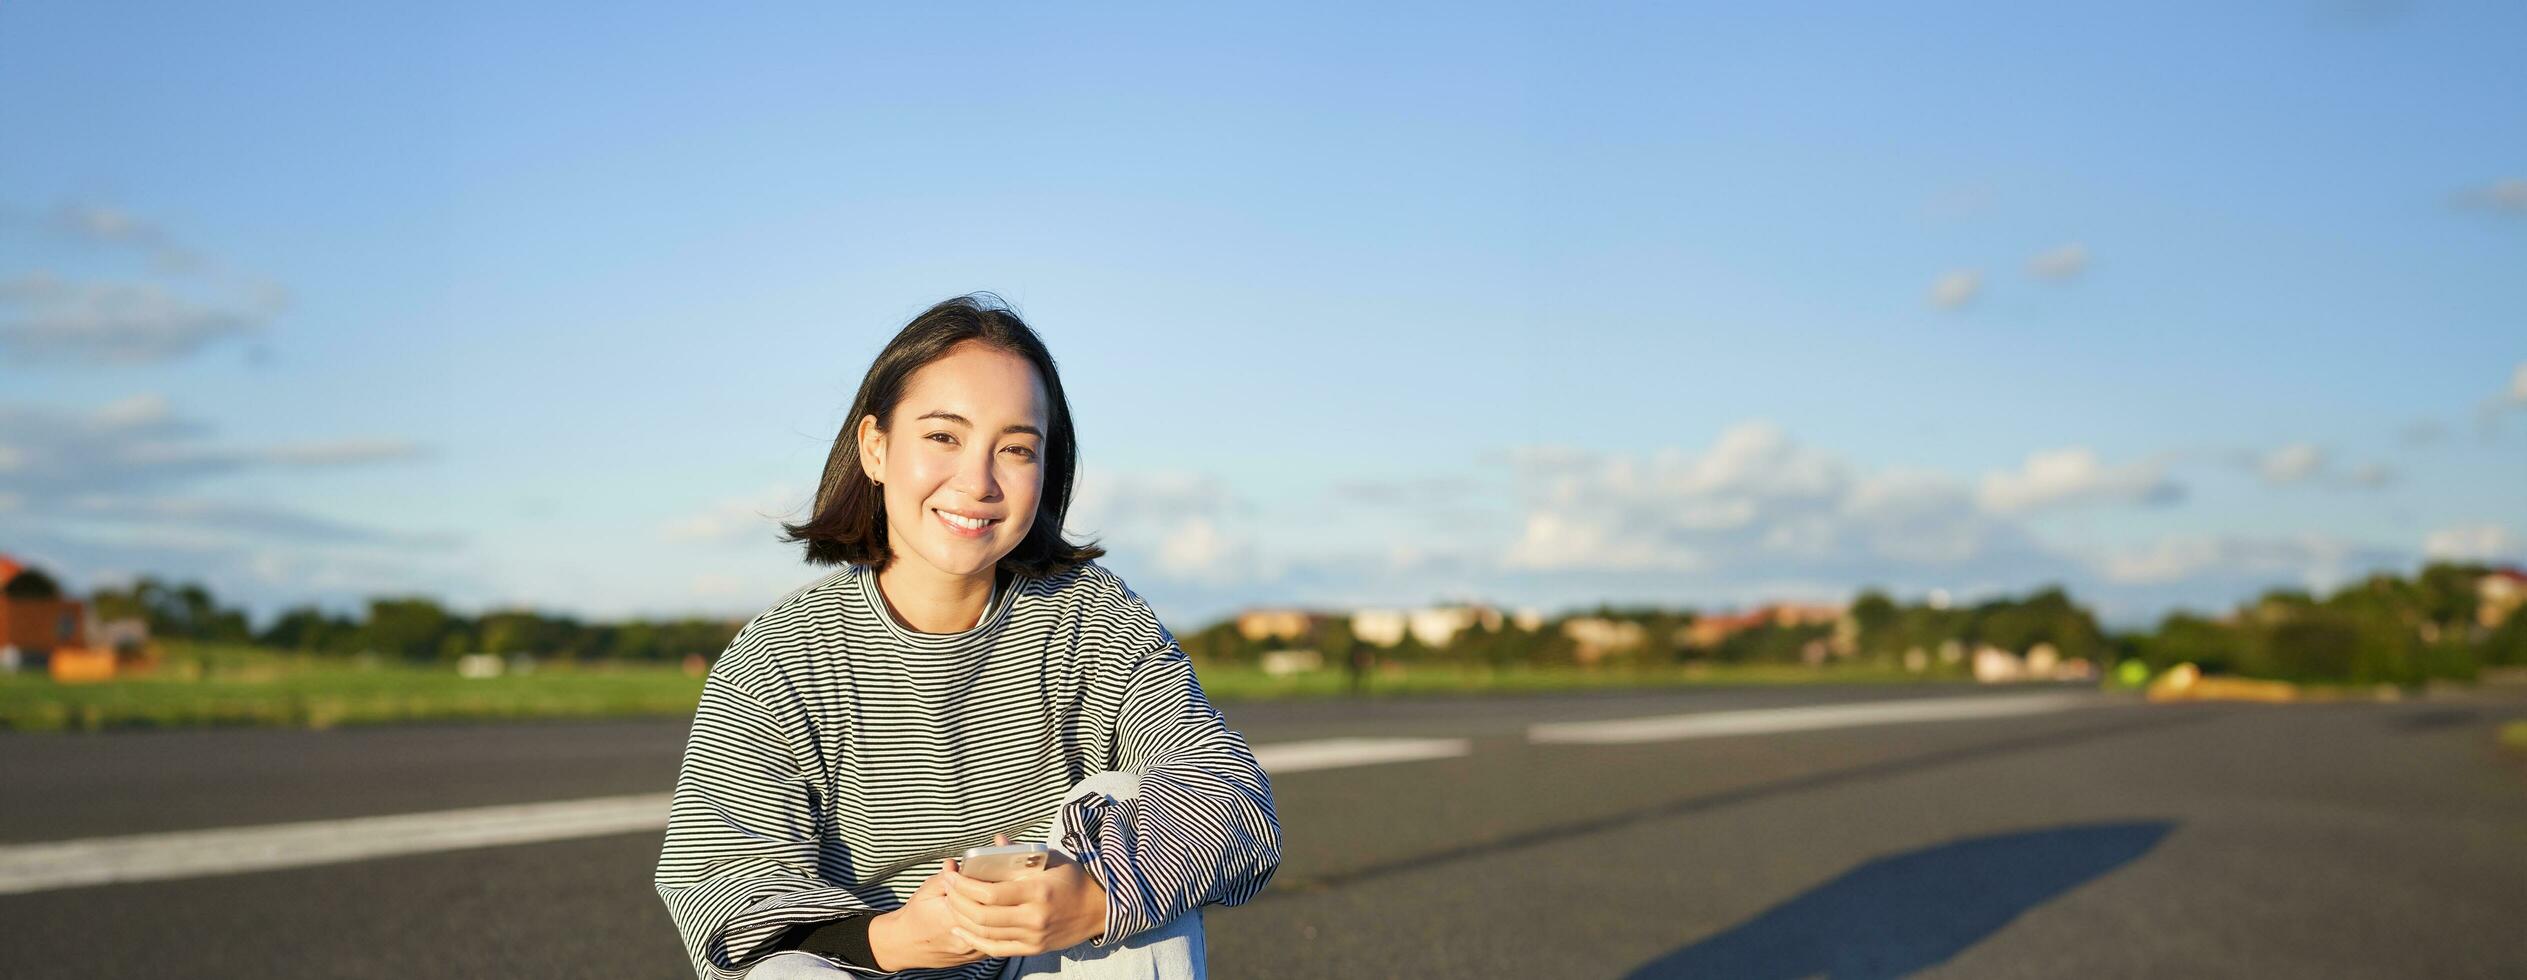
(968,677)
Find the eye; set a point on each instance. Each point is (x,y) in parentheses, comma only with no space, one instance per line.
(935,436)
(1023,452)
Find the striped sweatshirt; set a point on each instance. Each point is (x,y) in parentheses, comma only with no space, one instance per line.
(838,755)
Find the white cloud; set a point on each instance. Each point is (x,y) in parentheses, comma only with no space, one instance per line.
(2426,432)
(2292,463)
(2485,542)
(1412,492)
(2073,476)
(717,587)
(1584,510)
(1755,507)
(2307,464)
(47,319)
(753,518)
(183,304)
(138,443)
(1556,541)
(1105,500)
(2508,194)
(1955,289)
(1198,550)
(345,452)
(108,225)
(1183,525)
(164,514)
(2214,565)
(104,490)
(2065,262)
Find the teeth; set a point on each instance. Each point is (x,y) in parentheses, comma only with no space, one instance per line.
(966,523)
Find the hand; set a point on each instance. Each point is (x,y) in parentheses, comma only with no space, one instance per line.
(1058,907)
(922,933)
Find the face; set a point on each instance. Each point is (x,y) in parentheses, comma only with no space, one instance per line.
(966,442)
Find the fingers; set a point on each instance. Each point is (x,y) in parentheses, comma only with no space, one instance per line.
(982,892)
(987,918)
(999,839)
(937,883)
(994,947)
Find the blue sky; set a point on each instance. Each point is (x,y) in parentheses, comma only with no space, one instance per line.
(1541,305)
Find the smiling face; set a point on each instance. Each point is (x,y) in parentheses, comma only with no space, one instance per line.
(963,447)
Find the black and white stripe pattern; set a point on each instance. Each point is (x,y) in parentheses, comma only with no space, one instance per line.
(837,756)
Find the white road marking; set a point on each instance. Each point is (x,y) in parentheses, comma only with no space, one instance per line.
(227,850)
(230,850)
(1714,724)
(1335,753)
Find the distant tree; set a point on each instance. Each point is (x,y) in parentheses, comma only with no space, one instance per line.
(2316,645)
(635,640)
(706,637)
(1219,643)
(1472,645)
(2507,644)
(1770,644)
(1878,618)
(2184,638)
(411,628)
(178,611)
(31,584)
(2448,595)
(113,604)
(310,629)
(2383,615)
(1410,649)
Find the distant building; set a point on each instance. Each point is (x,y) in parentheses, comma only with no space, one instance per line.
(1436,625)
(1594,637)
(1258,625)
(2498,594)
(1993,665)
(1433,626)
(1380,627)
(1710,631)
(38,624)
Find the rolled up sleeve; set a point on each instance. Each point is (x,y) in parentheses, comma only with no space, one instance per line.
(738,867)
(1200,831)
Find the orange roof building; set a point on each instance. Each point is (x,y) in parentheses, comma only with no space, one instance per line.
(35,617)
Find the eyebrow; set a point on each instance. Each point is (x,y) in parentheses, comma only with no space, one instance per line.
(961,420)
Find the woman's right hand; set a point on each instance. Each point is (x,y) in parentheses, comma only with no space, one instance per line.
(921,934)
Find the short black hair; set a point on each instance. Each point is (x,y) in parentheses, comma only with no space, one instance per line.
(849,520)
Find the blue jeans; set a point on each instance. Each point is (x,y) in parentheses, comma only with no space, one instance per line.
(1170,952)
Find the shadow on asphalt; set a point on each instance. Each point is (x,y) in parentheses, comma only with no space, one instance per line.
(1537,837)
(2435,719)
(1897,915)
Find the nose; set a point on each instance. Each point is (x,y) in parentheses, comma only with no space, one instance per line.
(974,475)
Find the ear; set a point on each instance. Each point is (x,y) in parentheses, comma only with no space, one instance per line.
(872,447)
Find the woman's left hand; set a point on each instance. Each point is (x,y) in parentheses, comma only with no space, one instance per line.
(1058,907)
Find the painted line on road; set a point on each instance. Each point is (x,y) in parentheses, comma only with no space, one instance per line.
(228,850)
(231,850)
(1715,724)
(1335,753)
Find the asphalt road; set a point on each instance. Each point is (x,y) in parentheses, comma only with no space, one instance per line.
(2118,839)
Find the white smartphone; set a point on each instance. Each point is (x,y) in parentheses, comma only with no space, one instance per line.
(1003,862)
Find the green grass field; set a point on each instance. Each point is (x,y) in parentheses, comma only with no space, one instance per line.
(220,685)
